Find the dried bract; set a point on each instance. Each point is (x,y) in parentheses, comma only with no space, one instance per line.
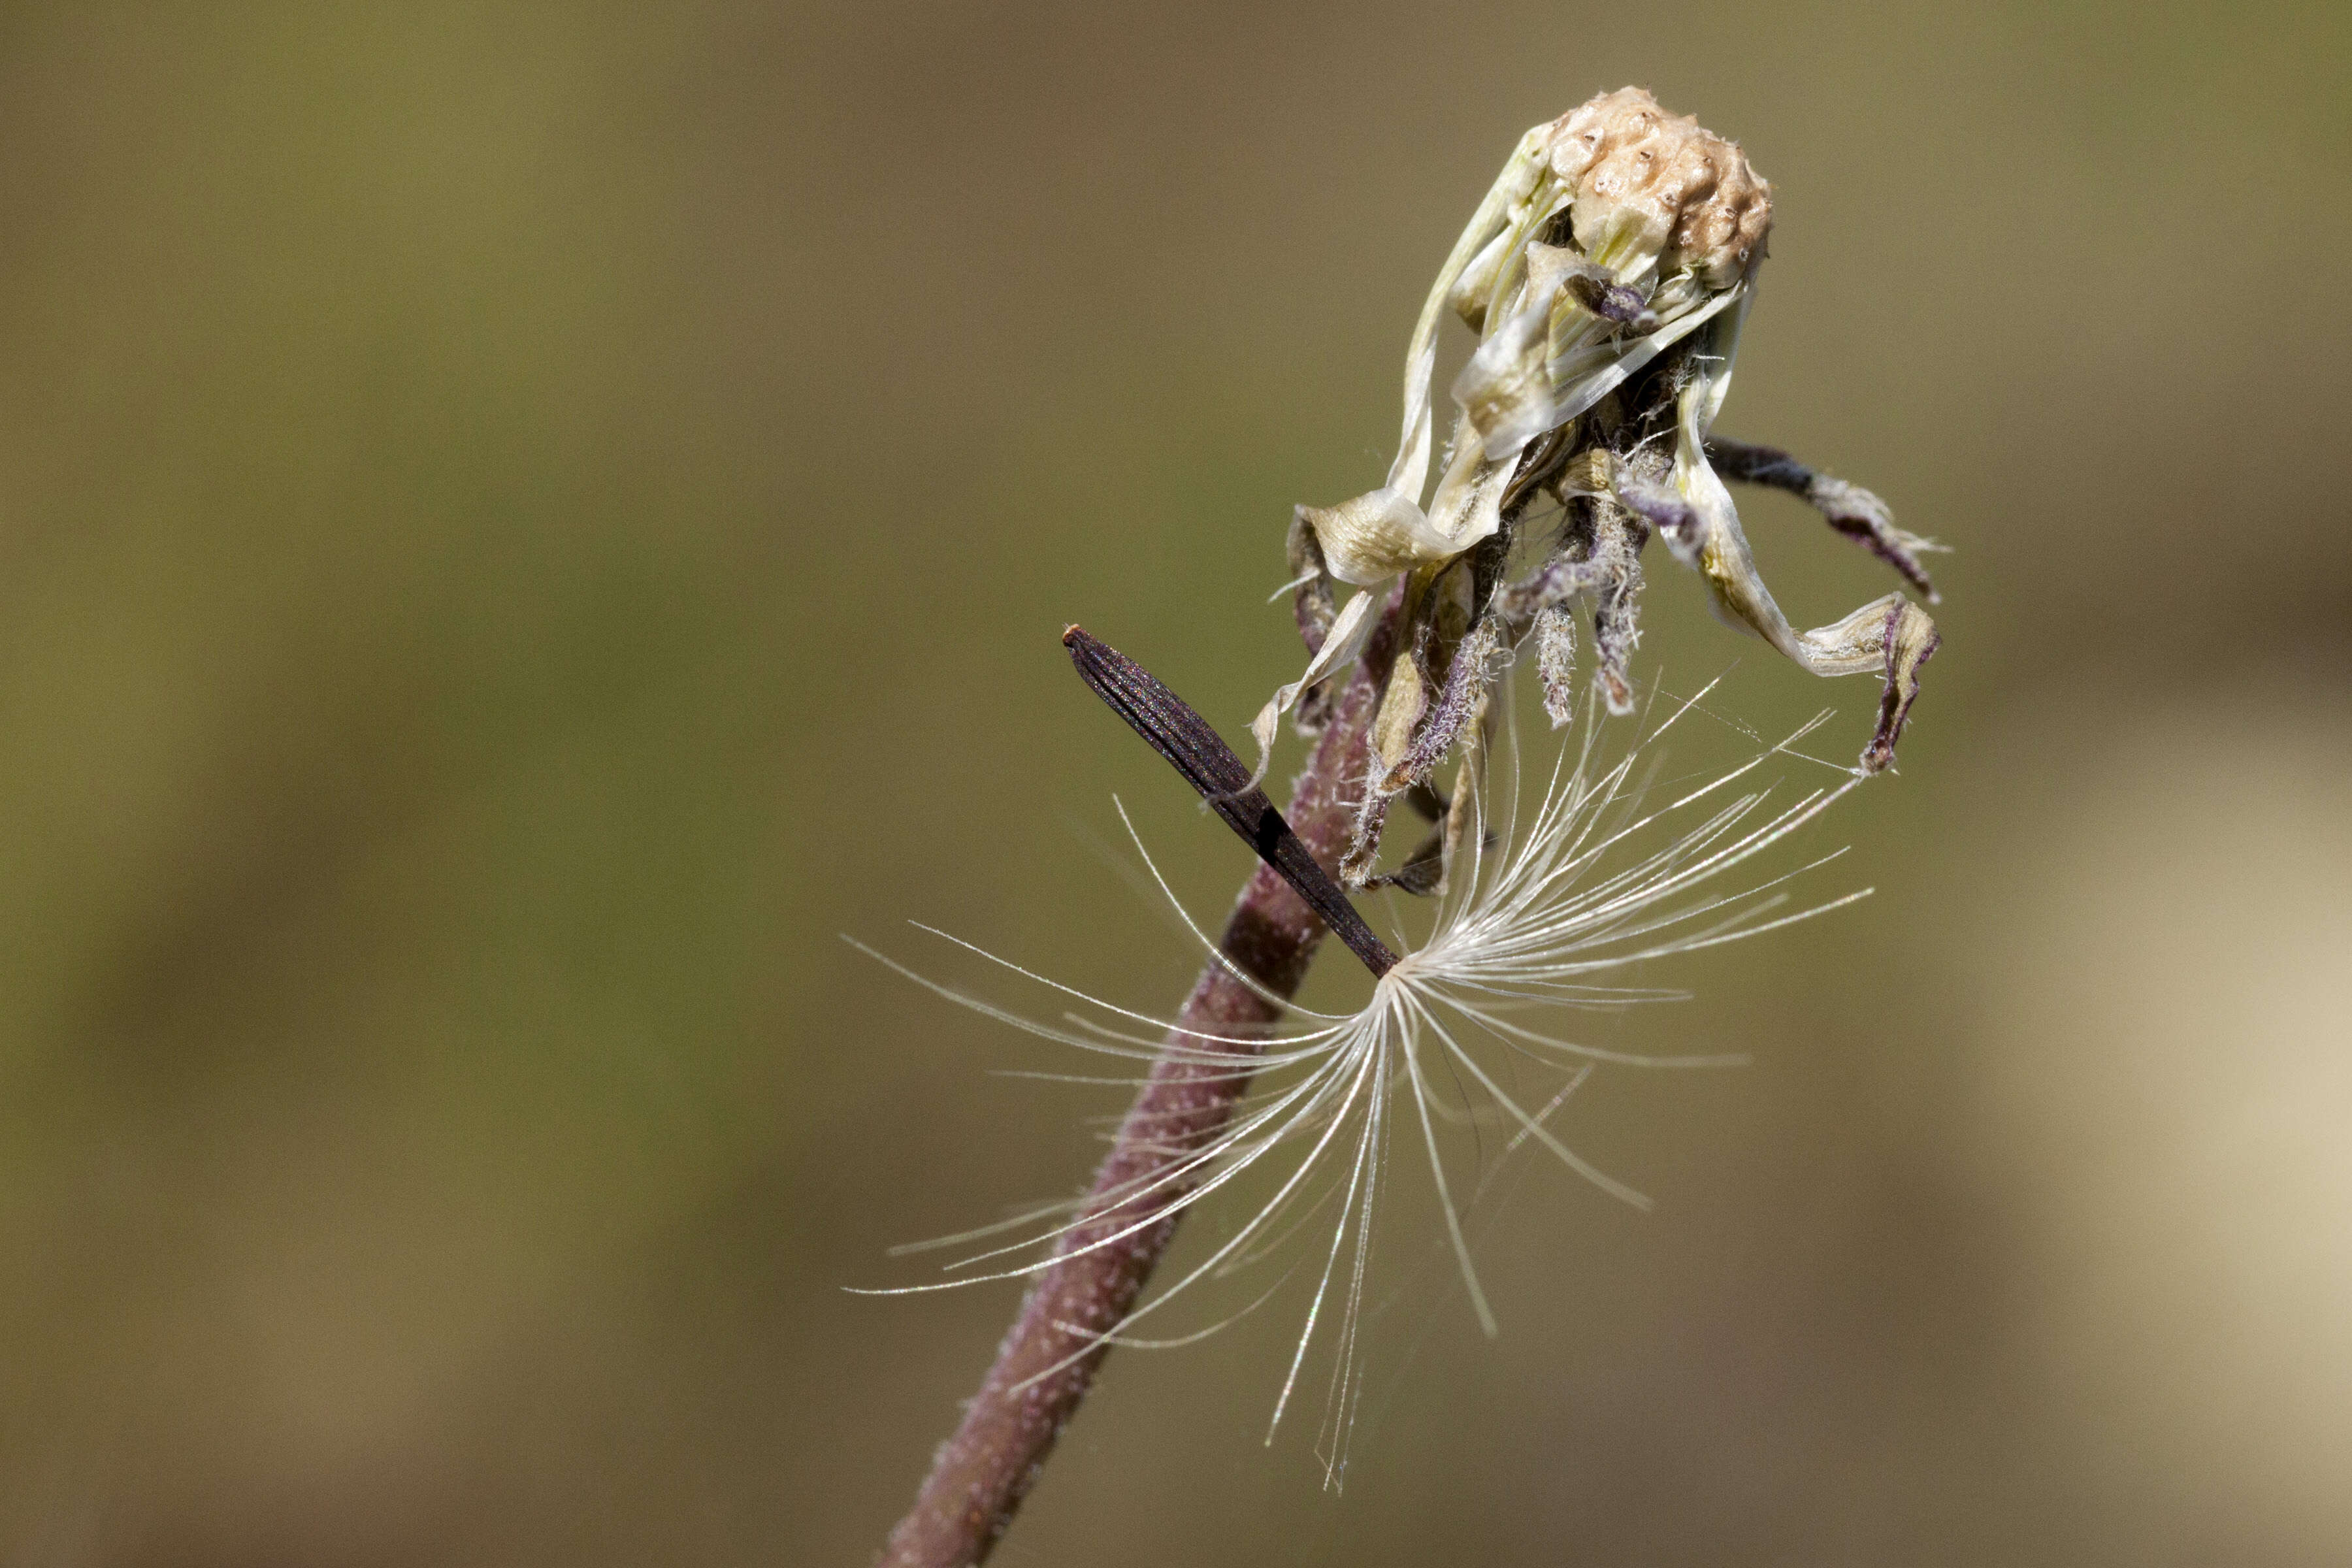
(1608,273)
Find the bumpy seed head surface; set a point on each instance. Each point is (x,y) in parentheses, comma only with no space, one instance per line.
(1647,178)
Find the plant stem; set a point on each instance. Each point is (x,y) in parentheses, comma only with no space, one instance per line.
(979,1475)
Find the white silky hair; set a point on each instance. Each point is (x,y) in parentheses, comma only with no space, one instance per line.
(1551,890)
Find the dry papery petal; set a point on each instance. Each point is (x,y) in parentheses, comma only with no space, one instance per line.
(1667,221)
(1375,536)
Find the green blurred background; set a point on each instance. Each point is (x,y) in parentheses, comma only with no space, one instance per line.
(520,524)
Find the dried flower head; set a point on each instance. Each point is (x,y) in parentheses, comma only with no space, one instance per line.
(1608,274)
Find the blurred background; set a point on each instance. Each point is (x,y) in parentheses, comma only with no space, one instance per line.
(519,525)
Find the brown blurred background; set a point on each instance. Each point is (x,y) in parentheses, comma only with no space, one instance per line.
(520,524)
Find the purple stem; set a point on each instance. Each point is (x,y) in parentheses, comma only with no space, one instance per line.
(979,1475)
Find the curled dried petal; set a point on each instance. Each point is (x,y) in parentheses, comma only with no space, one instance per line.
(1345,640)
(1375,536)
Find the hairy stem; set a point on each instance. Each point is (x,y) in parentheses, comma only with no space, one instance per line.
(981,1474)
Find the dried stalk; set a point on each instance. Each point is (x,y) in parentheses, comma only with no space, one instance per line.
(979,1475)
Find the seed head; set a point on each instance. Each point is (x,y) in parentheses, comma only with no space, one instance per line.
(1648,181)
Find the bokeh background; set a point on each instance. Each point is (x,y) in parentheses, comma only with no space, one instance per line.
(520,524)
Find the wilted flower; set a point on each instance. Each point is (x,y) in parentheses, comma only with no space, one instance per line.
(1608,273)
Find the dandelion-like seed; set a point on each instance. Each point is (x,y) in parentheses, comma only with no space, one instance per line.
(1607,274)
(1551,891)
